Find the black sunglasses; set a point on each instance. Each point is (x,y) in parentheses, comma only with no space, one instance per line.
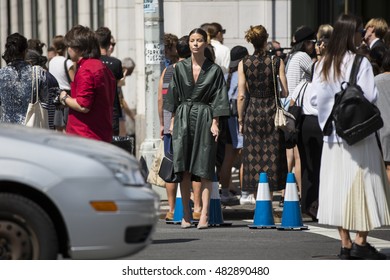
(113,44)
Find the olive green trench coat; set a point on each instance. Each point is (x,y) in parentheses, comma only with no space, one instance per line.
(195,105)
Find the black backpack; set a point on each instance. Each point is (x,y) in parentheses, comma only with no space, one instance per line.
(354,116)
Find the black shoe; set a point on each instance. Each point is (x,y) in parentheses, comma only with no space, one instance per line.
(345,253)
(366,252)
(281,201)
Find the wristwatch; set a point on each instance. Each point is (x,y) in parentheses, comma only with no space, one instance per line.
(63,99)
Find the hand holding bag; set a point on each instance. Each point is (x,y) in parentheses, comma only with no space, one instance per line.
(283,119)
(36,115)
(167,172)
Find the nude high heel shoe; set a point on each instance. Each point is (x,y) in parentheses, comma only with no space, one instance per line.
(203,225)
(184,224)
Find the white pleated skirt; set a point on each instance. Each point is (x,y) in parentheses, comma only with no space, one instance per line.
(354,191)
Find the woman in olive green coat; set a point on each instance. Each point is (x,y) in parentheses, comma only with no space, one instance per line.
(197,97)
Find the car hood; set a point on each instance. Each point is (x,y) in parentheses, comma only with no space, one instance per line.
(69,143)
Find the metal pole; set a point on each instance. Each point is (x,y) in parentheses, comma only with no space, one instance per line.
(154,54)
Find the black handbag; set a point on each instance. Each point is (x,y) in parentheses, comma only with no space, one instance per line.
(353,115)
(125,142)
(296,109)
(166,171)
(233,108)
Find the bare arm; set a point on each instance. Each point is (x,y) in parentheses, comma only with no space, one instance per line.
(241,93)
(72,72)
(72,103)
(283,79)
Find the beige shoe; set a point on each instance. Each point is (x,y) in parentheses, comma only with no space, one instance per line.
(184,224)
(196,216)
(169,216)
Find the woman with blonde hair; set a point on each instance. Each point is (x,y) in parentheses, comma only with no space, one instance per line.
(264,148)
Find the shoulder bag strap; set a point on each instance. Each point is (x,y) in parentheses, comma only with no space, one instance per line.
(67,71)
(303,90)
(273,75)
(355,69)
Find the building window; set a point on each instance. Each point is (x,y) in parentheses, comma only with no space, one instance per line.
(34,19)
(51,19)
(100,13)
(75,12)
(20,17)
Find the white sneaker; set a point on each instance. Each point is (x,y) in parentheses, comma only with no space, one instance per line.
(228,198)
(248,200)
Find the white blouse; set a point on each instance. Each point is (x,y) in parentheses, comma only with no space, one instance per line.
(323,92)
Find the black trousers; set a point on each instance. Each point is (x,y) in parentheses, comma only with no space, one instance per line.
(310,141)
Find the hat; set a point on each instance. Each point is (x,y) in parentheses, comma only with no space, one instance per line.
(304,33)
(236,55)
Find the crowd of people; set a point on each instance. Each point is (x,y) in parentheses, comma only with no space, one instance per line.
(217,107)
(79,82)
(220,114)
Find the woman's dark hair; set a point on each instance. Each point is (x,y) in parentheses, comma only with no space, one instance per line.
(15,48)
(341,41)
(183,47)
(36,45)
(59,45)
(33,57)
(83,40)
(207,52)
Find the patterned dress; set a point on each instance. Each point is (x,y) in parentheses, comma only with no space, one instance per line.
(15,91)
(264,146)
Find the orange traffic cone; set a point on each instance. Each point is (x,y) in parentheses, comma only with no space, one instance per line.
(263,212)
(291,217)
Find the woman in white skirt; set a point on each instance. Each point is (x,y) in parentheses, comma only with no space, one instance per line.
(354,192)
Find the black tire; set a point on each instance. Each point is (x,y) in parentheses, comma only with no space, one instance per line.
(26,231)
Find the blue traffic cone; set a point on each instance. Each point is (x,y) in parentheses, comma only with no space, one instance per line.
(215,210)
(291,217)
(263,212)
(178,214)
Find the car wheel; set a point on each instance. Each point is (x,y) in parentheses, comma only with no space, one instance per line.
(26,231)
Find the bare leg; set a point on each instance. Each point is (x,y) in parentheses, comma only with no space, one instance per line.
(345,238)
(297,168)
(206,192)
(388,171)
(197,191)
(361,238)
(290,164)
(171,194)
(185,186)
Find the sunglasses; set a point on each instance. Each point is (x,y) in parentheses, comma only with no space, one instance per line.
(113,44)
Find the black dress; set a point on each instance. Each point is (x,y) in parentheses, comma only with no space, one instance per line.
(264,146)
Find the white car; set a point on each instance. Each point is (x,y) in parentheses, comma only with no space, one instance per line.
(71,196)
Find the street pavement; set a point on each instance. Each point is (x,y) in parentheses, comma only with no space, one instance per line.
(239,242)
